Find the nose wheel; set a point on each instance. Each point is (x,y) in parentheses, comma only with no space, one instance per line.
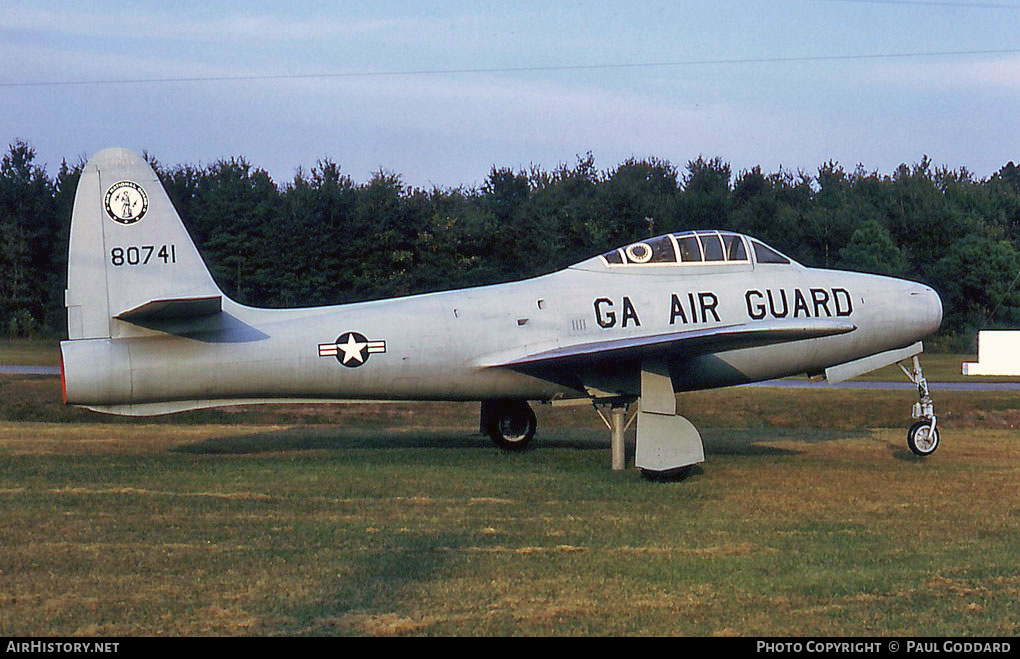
(923,436)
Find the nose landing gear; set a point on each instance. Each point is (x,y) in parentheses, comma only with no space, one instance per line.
(923,436)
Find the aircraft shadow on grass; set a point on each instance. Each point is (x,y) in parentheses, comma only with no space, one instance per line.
(385,439)
(735,442)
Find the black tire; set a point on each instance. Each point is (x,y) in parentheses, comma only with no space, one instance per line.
(919,441)
(511,425)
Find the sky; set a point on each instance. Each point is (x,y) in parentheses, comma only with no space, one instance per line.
(442,92)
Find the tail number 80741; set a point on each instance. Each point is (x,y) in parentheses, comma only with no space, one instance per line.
(143,255)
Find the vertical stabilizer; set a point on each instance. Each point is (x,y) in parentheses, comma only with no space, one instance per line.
(130,255)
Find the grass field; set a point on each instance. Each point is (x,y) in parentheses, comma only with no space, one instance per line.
(24,352)
(810,517)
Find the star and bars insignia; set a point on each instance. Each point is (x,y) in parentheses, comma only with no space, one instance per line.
(351,349)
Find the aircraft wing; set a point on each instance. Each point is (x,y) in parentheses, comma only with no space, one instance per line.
(683,343)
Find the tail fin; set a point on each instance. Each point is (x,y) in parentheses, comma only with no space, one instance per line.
(130,256)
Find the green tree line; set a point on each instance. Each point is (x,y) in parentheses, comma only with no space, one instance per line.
(323,238)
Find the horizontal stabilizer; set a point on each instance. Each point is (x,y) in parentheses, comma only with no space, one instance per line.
(173,309)
(684,342)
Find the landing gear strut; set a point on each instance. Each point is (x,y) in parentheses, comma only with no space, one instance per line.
(923,436)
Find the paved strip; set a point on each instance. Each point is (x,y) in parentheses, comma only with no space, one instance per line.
(29,370)
(934,386)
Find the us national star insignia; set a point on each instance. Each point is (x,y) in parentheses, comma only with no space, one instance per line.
(351,349)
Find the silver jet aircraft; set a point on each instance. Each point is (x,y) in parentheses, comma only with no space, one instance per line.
(151,333)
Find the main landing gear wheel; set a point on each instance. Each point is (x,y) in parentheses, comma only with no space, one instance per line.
(922,438)
(511,424)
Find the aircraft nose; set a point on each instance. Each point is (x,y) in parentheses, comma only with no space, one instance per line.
(930,310)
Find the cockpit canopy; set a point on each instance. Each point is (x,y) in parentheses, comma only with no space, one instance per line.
(694,248)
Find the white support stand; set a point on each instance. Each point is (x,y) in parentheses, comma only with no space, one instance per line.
(617,416)
(618,425)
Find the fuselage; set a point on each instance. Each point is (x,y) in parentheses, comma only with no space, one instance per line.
(441,346)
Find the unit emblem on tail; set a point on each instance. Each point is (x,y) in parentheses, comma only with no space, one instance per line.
(126,202)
